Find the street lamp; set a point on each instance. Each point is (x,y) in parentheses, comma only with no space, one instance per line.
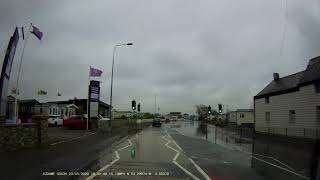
(114,50)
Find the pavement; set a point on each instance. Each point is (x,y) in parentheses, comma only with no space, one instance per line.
(173,151)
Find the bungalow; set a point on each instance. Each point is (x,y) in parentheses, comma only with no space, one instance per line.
(242,117)
(290,105)
(80,106)
(119,114)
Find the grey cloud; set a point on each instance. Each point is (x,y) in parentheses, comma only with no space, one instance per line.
(186,52)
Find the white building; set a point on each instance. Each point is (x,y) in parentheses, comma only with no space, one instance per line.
(291,105)
(242,117)
(61,110)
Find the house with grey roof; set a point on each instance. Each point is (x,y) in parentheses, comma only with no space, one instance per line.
(290,105)
(241,117)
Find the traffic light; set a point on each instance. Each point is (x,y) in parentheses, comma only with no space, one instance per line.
(139,107)
(133,105)
(220,108)
(209,109)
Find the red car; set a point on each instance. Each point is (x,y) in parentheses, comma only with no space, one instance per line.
(76,122)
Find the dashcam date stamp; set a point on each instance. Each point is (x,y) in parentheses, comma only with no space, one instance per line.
(140,173)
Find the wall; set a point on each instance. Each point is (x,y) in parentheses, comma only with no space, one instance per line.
(17,136)
(248,118)
(304,103)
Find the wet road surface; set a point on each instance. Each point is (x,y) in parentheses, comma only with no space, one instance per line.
(150,154)
(178,151)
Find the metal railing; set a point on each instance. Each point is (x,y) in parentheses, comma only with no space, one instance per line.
(290,132)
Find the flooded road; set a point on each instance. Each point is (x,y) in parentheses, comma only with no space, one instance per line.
(187,150)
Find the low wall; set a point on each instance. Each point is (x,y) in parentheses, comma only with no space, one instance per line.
(17,136)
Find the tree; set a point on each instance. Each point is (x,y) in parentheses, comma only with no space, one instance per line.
(203,113)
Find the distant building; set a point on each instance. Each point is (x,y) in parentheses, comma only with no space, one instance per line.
(119,114)
(242,117)
(61,110)
(175,113)
(81,106)
(291,105)
(217,117)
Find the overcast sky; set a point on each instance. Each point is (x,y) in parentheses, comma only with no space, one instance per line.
(187,52)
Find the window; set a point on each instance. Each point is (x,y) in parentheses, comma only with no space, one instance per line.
(317,87)
(241,115)
(41,110)
(61,111)
(266,100)
(292,116)
(50,111)
(267,117)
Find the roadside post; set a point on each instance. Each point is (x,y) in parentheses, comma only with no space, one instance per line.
(215,134)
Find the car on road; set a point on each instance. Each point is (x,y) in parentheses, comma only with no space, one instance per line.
(156,123)
(76,122)
(167,120)
(55,121)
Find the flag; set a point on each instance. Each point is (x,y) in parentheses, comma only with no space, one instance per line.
(37,32)
(95,72)
(42,92)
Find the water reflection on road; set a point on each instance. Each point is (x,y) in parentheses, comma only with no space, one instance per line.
(198,129)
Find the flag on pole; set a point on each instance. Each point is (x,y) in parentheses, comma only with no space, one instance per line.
(37,32)
(95,72)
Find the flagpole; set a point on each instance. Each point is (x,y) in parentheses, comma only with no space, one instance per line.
(88,99)
(16,113)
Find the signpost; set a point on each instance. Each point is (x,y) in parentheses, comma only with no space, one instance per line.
(94,97)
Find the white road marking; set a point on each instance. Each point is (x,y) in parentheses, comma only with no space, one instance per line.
(287,170)
(64,141)
(205,175)
(186,171)
(269,157)
(110,164)
(174,160)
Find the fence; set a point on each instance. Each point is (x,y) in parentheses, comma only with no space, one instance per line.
(244,137)
(290,132)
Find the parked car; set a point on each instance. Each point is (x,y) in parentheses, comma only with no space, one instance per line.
(167,120)
(156,123)
(76,122)
(55,121)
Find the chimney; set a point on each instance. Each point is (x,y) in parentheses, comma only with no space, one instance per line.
(276,76)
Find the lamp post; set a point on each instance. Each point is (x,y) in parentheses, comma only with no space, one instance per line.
(114,50)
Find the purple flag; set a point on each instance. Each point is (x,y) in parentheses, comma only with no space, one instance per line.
(95,72)
(37,32)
